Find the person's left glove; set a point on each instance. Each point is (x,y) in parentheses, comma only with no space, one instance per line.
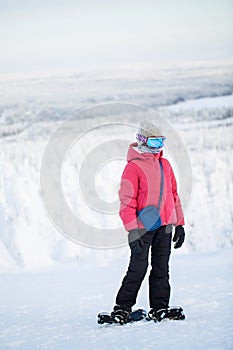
(179,236)
(135,241)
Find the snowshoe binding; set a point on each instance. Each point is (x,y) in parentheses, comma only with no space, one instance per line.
(121,316)
(174,313)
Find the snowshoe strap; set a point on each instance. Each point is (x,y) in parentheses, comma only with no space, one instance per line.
(120,316)
(175,313)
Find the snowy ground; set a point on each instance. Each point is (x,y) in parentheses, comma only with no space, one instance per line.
(56,309)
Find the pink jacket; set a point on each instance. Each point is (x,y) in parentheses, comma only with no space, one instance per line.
(140,186)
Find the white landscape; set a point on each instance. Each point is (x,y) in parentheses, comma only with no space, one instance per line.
(52,288)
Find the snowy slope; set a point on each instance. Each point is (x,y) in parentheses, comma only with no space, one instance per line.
(52,288)
(197,100)
(56,309)
(30,239)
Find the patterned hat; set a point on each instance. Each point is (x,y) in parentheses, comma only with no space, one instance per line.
(148,129)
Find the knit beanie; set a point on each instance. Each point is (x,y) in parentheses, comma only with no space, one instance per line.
(147,129)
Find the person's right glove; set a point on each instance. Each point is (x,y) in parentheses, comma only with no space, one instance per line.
(179,236)
(135,241)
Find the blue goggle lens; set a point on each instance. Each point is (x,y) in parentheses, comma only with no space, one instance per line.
(155,142)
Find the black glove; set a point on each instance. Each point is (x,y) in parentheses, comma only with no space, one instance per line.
(135,241)
(179,236)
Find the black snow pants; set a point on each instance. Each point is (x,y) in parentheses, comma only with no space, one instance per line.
(159,288)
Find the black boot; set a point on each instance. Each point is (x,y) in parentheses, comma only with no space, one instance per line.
(175,313)
(120,314)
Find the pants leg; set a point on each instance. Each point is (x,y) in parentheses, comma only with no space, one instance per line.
(132,281)
(159,287)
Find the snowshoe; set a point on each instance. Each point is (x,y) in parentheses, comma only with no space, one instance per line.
(116,318)
(174,313)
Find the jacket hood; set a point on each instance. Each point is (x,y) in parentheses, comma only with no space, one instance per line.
(134,154)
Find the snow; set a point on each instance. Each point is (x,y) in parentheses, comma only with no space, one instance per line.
(28,236)
(205,102)
(52,288)
(57,308)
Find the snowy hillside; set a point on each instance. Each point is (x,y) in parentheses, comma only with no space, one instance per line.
(51,287)
(200,108)
(32,110)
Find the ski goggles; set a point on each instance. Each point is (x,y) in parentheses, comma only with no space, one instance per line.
(152,141)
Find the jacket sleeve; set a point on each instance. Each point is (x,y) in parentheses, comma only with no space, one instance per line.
(128,197)
(178,207)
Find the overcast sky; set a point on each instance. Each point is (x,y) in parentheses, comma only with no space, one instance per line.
(56,35)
